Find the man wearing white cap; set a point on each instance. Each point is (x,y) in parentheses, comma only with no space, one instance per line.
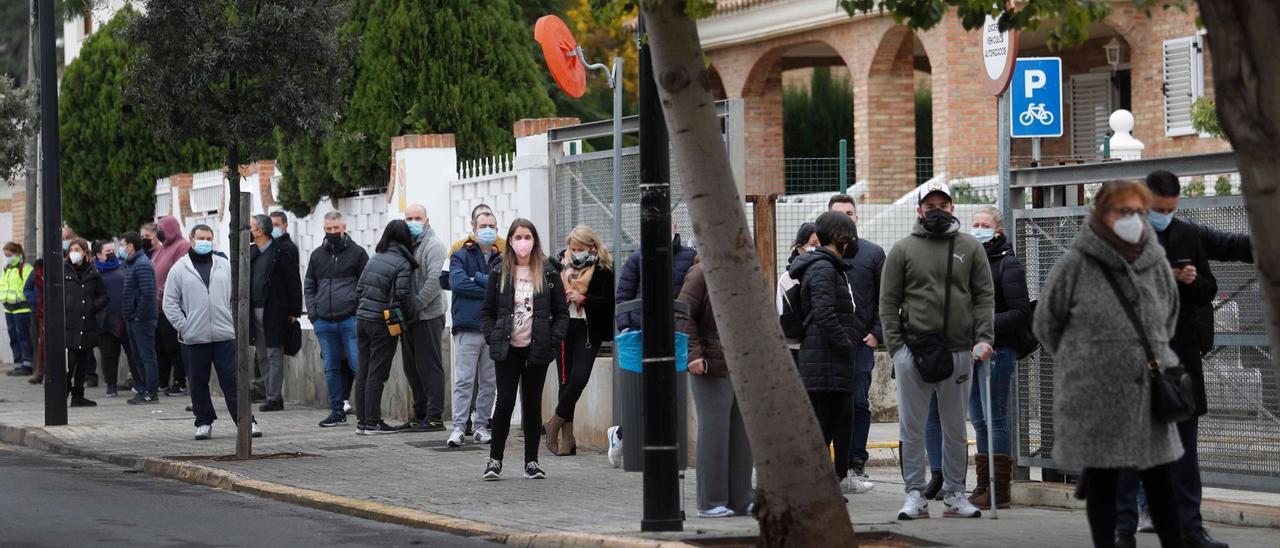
(937,306)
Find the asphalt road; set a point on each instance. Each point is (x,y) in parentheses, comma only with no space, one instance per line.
(51,500)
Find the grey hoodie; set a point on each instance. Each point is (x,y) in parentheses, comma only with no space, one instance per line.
(431,255)
(201,314)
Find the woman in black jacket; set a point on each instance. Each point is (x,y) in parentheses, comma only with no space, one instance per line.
(386,304)
(586,275)
(826,362)
(85,296)
(525,319)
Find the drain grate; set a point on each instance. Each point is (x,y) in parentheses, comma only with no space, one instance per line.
(441,445)
(346,447)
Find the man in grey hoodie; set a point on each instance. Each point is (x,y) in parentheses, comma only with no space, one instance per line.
(423,352)
(937,281)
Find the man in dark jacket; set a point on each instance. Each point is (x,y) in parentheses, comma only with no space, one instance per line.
(826,359)
(139,309)
(473,369)
(629,284)
(865,261)
(1189,247)
(112,336)
(330,293)
(275,294)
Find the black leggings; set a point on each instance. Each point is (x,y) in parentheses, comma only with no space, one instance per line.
(1099,485)
(577,356)
(79,363)
(512,373)
(835,417)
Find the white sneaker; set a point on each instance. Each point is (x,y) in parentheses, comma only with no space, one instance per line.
(717,512)
(455,439)
(615,446)
(346,407)
(254,431)
(856,485)
(483,435)
(204,432)
(916,507)
(956,505)
(1144,522)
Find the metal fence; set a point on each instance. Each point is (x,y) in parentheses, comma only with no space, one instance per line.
(1239,444)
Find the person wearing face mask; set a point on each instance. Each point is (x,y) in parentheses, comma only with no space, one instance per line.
(525,320)
(826,357)
(17,307)
(1012,312)
(1102,390)
(423,348)
(385,292)
(1188,248)
(152,239)
(476,212)
(805,242)
(936,306)
(112,337)
(330,294)
(68,238)
(138,306)
(84,296)
(168,351)
(275,295)
(197,302)
(586,275)
(474,379)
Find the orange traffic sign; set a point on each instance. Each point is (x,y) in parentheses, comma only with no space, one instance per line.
(562,55)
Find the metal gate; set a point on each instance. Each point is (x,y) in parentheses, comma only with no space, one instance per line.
(1239,443)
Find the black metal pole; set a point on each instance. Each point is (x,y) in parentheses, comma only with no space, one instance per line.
(661,458)
(55,358)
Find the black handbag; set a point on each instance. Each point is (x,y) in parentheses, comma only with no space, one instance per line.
(929,351)
(1172,396)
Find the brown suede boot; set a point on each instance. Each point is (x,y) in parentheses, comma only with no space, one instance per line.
(981,496)
(568,444)
(551,429)
(1004,474)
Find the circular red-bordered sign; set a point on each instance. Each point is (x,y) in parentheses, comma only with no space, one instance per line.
(558,45)
(999,52)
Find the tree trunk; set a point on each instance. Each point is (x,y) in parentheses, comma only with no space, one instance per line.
(798,502)
(1246,83)
(239,304)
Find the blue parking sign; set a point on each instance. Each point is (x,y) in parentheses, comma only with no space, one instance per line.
(1036,98)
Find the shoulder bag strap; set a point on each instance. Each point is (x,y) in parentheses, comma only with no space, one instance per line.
(1128,310)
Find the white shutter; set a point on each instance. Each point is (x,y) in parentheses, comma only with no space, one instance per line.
(1183,83)
(1090,113)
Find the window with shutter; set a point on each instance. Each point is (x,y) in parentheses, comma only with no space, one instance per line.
(1183,83)
(1091,106)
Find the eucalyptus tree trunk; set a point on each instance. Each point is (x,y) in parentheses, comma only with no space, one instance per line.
(1246,83)
(798,502)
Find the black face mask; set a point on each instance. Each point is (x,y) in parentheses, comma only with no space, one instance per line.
(937,221)
(333,240)
(146,244)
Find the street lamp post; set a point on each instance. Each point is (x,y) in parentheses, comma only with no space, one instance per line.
(55,357)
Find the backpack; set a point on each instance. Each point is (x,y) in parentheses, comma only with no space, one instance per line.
(793,317)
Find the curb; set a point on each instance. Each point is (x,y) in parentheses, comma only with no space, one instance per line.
(1056,495)
(186,472)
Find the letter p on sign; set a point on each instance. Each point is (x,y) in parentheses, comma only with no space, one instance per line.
(1034,79)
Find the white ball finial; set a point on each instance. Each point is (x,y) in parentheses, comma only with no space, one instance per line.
(1121,121)
(1123,145)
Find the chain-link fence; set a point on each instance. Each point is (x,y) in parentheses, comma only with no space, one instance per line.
(1239,440)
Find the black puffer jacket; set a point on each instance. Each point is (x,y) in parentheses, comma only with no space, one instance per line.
(550,316)
(85,295)
(387,281)
(826,354)
(1013,306)
(599,304)
(332,275)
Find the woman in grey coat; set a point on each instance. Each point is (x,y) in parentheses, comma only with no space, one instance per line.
(1103,421)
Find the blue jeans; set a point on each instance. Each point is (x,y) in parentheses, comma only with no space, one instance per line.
(337,341)
(19,337)
(142,343)
(201,360)
(1004,367)
(865,359)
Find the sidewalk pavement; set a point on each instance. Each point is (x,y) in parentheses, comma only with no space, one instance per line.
(414,479)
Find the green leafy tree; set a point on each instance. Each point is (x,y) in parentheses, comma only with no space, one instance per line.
(813,122)
(1223,186)
(1204,117)
(111,154)
(17,127)
(436,67)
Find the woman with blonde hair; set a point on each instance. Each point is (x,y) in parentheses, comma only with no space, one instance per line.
(587,274)
(525,319)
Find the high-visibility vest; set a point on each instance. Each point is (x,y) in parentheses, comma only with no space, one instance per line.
(12,285)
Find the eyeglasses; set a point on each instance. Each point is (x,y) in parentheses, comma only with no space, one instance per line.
(1127,211)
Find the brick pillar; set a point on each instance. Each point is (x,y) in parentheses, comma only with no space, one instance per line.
(263,170)
(965,131)
(535,126)
(180,185)
(762,114)
(19,215)
(884,120)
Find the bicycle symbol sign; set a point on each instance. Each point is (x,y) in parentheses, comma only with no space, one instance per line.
(1036,98)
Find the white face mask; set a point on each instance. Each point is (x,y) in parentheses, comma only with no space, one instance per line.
(1129,228)
(76,257)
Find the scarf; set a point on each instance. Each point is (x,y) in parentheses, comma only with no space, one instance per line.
(1129,251)
(575,279)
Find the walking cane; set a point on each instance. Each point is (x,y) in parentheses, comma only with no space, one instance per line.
(991,461)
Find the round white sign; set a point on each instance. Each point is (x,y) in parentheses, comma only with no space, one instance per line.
(999,49)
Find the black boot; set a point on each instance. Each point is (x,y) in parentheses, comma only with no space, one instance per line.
(934,489)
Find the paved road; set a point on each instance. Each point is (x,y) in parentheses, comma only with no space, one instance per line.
(63,501)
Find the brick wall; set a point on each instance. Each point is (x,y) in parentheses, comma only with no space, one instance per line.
(19,197)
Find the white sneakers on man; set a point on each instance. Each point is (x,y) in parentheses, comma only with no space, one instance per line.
(346,407)
(615,446)
(204,431)
(483,435)
(855,484)
(958,506)
(916,507)
(456,438)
